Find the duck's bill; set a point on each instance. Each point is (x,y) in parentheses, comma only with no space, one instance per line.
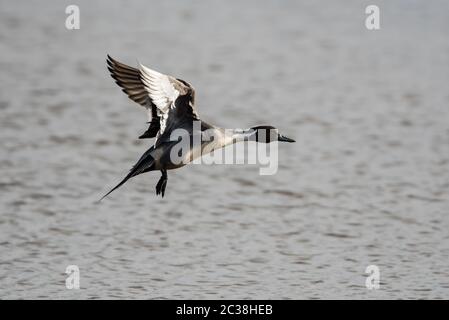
(285,139)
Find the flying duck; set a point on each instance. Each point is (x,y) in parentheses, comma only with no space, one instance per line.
(170,103)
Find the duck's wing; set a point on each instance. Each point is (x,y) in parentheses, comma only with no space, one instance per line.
(174,99)
(129,79)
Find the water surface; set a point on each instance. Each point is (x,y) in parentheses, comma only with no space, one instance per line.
(366,182)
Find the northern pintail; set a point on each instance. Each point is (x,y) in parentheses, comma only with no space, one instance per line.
(170,103)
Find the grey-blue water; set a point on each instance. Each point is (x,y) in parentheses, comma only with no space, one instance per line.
(365,184)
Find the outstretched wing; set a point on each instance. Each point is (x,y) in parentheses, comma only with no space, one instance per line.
(173,98)
(129,79)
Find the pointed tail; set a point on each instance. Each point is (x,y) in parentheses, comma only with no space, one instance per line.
(118,185)
(144,164)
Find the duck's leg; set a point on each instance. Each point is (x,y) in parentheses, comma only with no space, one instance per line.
(162,184)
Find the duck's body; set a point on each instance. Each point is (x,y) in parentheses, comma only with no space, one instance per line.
(170,104)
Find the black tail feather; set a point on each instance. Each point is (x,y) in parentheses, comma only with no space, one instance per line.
(118,185)
(144,164)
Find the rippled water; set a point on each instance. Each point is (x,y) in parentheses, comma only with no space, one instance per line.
(366,183)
